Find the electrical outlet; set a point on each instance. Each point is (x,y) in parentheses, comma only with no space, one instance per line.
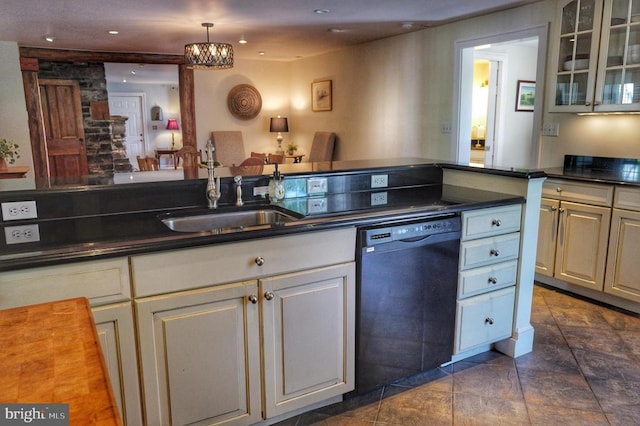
(379,198)
(445,128)
(550,129)
(260,191)
(379,181)
(316,186)
(22,234)
(18,210)
(316,205)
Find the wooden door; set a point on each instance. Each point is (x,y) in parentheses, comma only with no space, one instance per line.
(64,131)
(623,268)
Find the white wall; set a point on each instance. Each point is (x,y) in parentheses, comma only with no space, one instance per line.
(270,78)
(516,125)
(14,121)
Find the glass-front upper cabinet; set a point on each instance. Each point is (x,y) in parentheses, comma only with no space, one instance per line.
(618,80)
(596,68)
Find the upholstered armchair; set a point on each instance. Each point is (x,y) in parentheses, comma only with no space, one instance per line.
(322,146)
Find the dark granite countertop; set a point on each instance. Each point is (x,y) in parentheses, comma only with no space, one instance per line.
(113,235)
(85,223)
(622,171)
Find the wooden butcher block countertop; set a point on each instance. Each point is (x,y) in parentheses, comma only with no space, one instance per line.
(49,353)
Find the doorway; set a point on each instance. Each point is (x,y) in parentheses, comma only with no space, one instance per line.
(131,105)
(511,138)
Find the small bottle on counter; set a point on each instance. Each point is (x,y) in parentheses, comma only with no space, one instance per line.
(276,186)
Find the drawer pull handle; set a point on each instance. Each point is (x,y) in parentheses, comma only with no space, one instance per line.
(269,295)
(492,280)
(259,261)
(488,320)
(494,252)
(253,298)
(496,222)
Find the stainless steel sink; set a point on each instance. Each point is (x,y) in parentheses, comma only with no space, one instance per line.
(220,221)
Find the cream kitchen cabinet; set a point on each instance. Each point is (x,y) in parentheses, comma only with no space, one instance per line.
(573,236)
(107,286)
(490,245)
(623,268)
(596,58)
(263,327)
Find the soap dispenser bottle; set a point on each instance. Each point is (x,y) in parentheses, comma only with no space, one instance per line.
(273,184)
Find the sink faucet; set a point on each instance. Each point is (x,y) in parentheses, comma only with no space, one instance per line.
(213,185)
(238,181)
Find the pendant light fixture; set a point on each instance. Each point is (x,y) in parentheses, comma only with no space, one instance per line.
(209,55)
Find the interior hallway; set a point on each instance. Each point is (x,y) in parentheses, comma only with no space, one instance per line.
(584,370)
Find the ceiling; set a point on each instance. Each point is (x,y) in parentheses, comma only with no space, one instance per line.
(281,29)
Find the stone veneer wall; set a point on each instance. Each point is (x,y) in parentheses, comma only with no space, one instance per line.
(118,137)
(93,89)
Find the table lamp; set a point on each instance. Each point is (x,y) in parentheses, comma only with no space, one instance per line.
(279,124)
(172,124)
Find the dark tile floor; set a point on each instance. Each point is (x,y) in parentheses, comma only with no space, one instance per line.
(584,370)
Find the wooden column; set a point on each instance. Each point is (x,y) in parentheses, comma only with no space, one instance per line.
(29,68)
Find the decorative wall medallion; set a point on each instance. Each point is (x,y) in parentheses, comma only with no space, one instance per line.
(244,102)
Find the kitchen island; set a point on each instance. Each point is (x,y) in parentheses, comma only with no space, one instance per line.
(109,243)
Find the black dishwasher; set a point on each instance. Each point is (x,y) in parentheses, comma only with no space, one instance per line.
(406,298)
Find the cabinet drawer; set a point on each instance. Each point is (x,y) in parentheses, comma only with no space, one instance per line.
(484,319)
(596,194)
(487,278)
(179,270)
(101,281)
(488,251)
(627,198)
(488,222)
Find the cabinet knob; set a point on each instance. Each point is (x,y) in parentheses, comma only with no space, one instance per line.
(553,209)
(496,222)
(558,189)
(259,261)
(492,280)
(269,295)
(253,298)
(561,210)
(488,320)
(494,252)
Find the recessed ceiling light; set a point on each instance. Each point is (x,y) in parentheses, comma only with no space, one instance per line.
(261,53)
(337,30)
(113,32)
(407,25)
(242,41)
(321,11)
(50,39)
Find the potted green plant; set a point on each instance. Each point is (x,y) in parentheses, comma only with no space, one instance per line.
(291,148)
(8,153)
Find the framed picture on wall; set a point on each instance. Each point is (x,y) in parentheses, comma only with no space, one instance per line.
(321,96)
(525,95)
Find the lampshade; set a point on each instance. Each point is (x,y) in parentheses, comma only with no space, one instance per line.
(279,124)
(209,55)
(172,124)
